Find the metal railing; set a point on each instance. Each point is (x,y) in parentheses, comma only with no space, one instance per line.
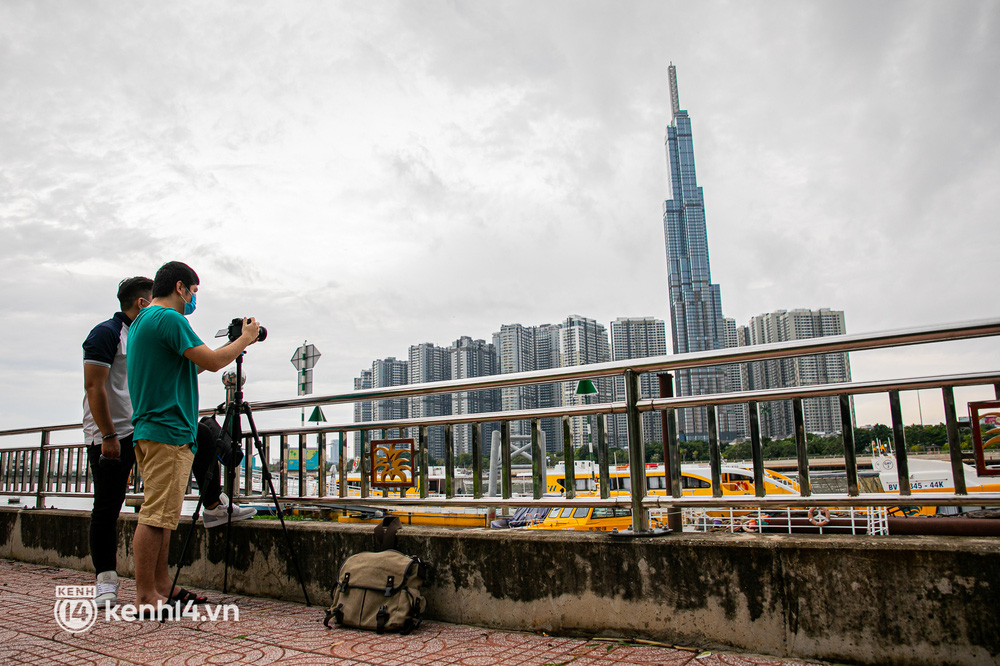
(59,470)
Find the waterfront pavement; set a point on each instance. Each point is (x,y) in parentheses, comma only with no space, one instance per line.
(270,631)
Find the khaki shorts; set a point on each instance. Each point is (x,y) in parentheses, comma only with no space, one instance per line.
(165,470)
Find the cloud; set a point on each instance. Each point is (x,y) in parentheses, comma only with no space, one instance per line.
(368,177)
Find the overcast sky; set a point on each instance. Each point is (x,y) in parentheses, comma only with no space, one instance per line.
(371,175)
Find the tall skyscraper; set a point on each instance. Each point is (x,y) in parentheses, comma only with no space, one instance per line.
(430,363)
(638,338)
(822,415)
(695,303)
(473,358)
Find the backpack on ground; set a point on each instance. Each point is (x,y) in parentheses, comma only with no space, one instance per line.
(379,590)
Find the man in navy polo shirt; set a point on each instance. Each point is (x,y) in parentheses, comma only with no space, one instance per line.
(107,427)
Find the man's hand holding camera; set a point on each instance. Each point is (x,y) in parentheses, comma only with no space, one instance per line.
(251,331)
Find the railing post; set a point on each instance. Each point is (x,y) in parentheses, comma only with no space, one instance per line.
(59,455)
(714,455)
(363,464)
(477,460)
(505,489)
(537,460)
(449,461)
(636,453)
(341,464)
(302,465)
(671,444)
(321,464)
(756,450)
(423,455)
(899,443)
(671,452)
(850,455)
(569,463)
(21,470)
(801,452)
(248,455)
(41,480)
(602,455)
(81,464)
(283,465)
(265,460)
(954,442)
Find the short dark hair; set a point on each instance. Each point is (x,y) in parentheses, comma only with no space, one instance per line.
(132,288)
(169,275)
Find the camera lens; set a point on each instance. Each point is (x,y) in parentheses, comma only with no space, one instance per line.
(261,334)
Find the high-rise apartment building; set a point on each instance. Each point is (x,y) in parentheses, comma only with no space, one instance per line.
(430,363)
(515,349)
(384,373)
(638,338)
(822,415)
(473,358)
(388,372)
(582,341)
(363,411)
(695,303)
(733,419)
(523,349)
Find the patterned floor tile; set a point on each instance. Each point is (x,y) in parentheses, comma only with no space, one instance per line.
(275,632)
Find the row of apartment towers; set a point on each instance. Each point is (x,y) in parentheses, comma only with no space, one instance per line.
(581,341)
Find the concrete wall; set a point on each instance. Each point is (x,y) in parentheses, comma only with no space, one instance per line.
(902,600)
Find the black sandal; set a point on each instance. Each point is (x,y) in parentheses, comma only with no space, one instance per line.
(185,597)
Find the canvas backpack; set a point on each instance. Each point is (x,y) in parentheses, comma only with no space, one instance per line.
(379,590)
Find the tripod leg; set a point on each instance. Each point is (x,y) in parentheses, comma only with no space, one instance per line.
(265,475)
(230,472)
(233,421)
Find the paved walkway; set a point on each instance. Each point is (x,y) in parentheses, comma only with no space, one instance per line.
(270,631)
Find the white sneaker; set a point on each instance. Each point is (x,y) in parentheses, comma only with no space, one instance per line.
(107,589)
(220,514)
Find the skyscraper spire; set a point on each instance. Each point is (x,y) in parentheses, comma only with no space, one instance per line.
(695,302)
(675,102)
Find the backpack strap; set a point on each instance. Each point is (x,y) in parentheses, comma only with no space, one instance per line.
(345,583)
(381,618)
(385,533)
(337,614)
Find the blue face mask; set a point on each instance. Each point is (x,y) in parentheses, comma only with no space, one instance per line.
(189,307)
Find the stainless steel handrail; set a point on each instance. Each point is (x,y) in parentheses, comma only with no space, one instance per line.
(32,474)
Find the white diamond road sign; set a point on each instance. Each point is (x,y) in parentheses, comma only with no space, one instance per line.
(305,357)
(304,360)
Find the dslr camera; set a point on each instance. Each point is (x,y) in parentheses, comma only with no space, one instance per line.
(235,330)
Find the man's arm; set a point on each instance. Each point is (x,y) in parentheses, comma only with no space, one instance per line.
(95,379)
(214,360)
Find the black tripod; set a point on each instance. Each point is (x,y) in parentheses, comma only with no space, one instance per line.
(232,428)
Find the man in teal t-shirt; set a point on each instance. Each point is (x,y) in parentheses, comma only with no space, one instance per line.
(166,399)
(165,357)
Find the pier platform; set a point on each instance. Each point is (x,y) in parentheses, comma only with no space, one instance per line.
(270,631)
